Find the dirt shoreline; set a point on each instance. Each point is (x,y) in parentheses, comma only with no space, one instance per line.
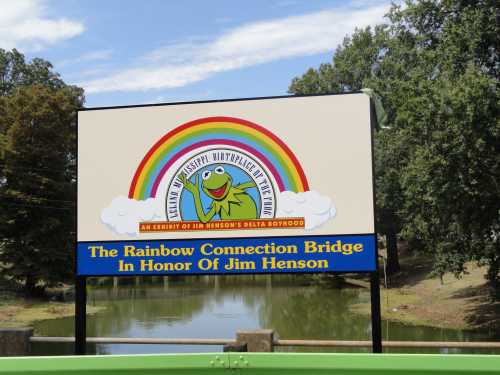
(414,297)
(22,312)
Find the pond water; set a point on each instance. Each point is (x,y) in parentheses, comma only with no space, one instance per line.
(296,307)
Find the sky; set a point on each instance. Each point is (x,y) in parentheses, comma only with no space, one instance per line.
(153,51)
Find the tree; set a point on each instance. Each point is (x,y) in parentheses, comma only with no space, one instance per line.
(435,65)
(37,181)
(451,188)
(449,122)
(354,63)
(15,72)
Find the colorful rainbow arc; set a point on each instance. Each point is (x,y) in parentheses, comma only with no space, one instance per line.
(221,131)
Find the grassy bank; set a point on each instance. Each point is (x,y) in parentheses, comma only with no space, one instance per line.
(21,312)
(415,297)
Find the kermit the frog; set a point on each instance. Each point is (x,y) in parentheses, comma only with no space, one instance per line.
(230,202)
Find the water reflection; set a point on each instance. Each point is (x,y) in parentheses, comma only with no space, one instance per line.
(216,307)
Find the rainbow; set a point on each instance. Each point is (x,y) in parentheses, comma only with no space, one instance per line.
(245,135)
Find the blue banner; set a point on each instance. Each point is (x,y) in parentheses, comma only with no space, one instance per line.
(304,254)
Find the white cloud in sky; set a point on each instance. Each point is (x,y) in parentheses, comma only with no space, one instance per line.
(182,63)
(25,24)
(177,52)
(98,55)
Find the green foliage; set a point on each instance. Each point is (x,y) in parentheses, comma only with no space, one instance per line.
(15,72)
(353,62)
(435,64)
(37,181)
(451,189)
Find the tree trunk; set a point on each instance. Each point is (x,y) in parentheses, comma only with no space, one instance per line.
(30,286)
(392,251)
(493,276)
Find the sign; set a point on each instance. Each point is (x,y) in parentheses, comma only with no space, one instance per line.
(266,185)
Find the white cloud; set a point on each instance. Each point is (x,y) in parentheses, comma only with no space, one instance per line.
(180,64)
(25,24)
(315,208)
(177,52)
(98,55)
(123,215)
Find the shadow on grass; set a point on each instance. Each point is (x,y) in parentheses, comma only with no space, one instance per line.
(484,313)
(414,269)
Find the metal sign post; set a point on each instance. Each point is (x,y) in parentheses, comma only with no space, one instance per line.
(374,276)
(81,315)
(375,313)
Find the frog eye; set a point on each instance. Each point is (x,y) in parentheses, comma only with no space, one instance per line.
(206,175)
(219,170)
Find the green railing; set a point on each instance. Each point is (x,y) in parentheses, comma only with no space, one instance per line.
(255,363)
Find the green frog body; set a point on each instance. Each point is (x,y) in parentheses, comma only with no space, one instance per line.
(228,201)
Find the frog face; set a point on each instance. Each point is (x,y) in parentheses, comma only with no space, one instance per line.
(217,183)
